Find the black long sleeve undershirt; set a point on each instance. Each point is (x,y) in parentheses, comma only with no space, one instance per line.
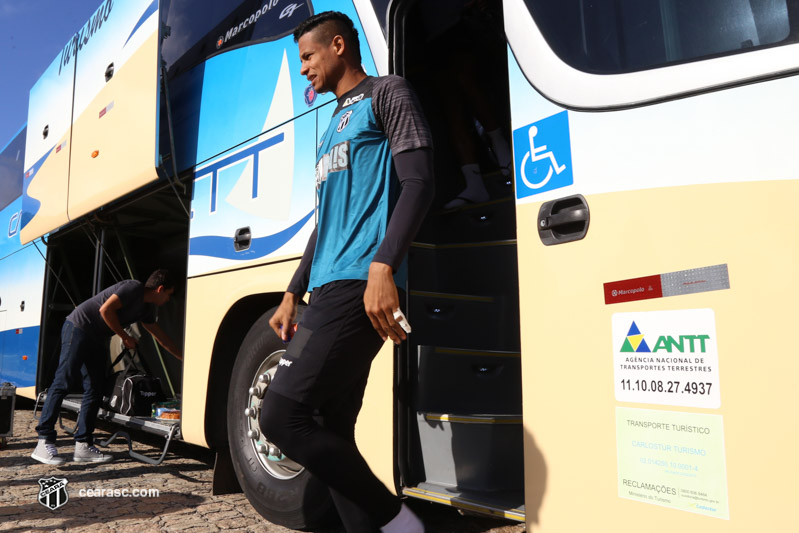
(415,173)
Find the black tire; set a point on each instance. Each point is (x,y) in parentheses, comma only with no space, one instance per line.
(281,491)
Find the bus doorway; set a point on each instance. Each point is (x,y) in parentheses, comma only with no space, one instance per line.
(460,416)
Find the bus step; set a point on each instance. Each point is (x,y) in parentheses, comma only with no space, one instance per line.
(489,221)
(478,453)
(508,504)
(467,268)
(465,321)
(452,380)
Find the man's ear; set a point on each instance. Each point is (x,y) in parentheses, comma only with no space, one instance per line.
(160,289)
(339,45)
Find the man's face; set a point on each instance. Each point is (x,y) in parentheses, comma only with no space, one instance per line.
(322,65)
(163,295)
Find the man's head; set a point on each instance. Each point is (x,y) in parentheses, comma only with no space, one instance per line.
(161,285)
(329,46)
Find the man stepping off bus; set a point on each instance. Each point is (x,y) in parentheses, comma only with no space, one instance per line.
(375,182)
(84,355)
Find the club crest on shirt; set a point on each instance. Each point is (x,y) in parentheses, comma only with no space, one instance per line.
(345,119)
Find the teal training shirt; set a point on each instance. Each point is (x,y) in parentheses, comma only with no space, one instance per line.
(355,178)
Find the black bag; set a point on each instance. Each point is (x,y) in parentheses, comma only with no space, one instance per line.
(133,392)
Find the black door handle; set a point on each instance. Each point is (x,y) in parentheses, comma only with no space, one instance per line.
(563,220)
(242,239)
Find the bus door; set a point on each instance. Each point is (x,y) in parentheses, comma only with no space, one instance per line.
(115,106)
(44,204)
(657,255)
(460,416)
(92,118)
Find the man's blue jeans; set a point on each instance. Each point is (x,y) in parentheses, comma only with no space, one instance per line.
(84,356)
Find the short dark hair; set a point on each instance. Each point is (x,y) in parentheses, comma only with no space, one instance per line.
(158,278)
(330,24)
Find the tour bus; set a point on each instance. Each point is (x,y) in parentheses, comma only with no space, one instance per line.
(601,345)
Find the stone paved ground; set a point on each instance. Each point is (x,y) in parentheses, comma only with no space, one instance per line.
(184,503)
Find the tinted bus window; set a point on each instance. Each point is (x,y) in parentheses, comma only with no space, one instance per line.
(11,169)
(381,10)
(617,36)
(194,30)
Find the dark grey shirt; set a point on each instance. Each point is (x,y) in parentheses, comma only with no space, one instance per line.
(131,293)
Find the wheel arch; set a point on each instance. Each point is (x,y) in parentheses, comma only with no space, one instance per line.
(232,330)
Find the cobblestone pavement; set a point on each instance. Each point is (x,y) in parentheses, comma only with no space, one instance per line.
(184,502)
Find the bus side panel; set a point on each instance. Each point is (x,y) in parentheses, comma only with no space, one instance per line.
(21,276)
(672,189)
(114,129)
(266,183)
(21,285)
(44,204)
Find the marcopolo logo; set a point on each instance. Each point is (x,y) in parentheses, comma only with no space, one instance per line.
(275,18)
(53,492)
(635,342)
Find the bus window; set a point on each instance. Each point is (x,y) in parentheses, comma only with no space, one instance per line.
(381,10)
(203,28)
(619,36)
(11,159)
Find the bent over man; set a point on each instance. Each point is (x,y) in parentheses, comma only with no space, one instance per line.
(84,354)
(375,183)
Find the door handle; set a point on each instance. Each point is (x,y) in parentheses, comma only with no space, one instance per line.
(563,220)
(242,239)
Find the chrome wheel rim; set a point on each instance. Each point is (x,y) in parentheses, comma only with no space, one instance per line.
(269,456)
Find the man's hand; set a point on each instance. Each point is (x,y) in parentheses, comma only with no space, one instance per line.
(163,339)
(129,342)
(283,318)
(380,300)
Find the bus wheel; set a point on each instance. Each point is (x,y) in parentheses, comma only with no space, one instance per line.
(281,490)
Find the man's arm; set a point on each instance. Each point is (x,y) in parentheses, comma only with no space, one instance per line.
(399,113)
(108,312)
(415,172)
(163,339)
(283,318)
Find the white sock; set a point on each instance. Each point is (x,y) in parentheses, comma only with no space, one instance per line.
(404,522)
(501,149)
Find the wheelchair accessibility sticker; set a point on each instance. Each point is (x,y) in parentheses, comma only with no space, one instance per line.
(543,156)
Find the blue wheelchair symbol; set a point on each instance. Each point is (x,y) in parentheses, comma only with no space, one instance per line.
(543,156)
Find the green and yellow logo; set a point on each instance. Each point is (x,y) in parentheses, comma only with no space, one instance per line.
(635,342)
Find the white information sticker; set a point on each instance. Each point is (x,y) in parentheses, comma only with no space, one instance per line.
(667,358)
(673,459)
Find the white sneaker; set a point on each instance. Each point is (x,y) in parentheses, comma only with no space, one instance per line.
(47,453)
(84,453)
